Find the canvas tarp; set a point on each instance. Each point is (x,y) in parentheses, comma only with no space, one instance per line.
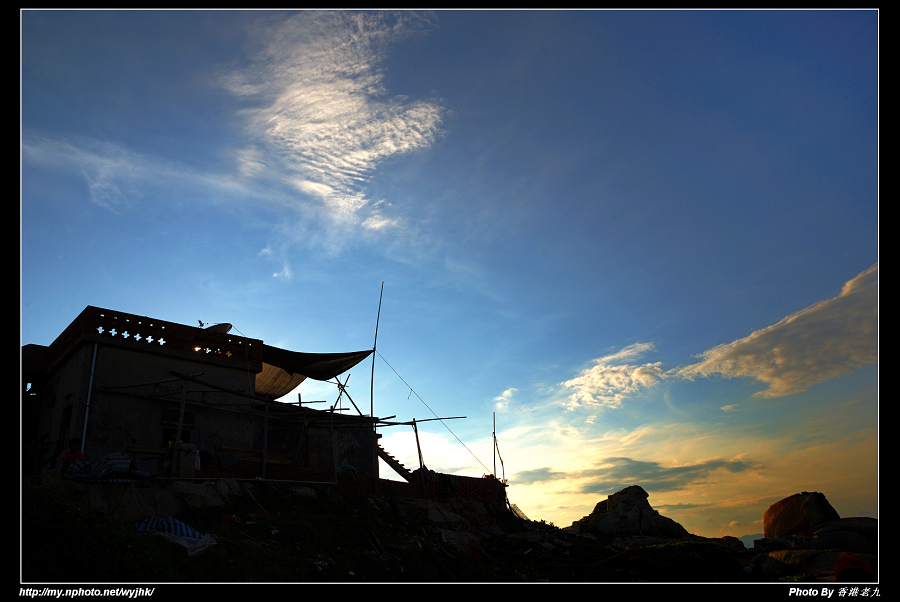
(283,370)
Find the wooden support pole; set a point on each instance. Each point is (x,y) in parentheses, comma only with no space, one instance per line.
(421,460)
(265,442)
(176,445)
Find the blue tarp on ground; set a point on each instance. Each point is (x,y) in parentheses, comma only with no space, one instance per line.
(176,531)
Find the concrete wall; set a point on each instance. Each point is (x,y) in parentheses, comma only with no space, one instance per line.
(132,405)
(60,413)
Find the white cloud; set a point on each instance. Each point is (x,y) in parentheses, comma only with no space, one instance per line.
(320,105)
(315,188)
(319,123)
(285,272)
(378,222)
(612,378)
(504,398)
(823,341)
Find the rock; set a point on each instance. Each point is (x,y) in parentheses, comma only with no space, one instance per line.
(462,542)
(198,495)
(304,491)
(805,538)
(846,541)
(856,534)
(799,514)
(442,515)
(227,487)
(794,563)
(628,512)
(526,537)
(819,565)
(681,561)
(732,544)
(860,525)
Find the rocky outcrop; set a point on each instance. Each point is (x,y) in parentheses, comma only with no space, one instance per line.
(813,544)
(628,512)
(800,514)
(804,535)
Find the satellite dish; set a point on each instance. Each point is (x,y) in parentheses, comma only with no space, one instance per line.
(223,327)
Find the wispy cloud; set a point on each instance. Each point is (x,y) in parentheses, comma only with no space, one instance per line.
(113,175)
(614,474)
(614,377)
(526,477)
(320,108)
(118,179)
(821,342)
(319,121)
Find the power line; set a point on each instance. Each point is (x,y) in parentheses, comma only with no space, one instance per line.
(432,411)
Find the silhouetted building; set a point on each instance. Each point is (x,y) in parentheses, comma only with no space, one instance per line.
(189,402)
(133,384)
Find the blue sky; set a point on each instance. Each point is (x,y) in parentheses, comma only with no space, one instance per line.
(646,241)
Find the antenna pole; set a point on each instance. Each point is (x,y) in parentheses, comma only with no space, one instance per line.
(372,394)
(494,437)
(374,347)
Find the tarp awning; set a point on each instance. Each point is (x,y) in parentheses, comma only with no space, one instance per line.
(283,370)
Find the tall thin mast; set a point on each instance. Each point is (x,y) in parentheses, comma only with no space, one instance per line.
(374,347)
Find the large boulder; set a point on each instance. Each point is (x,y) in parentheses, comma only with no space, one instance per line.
(799,514)
(627,512)
(857,535)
